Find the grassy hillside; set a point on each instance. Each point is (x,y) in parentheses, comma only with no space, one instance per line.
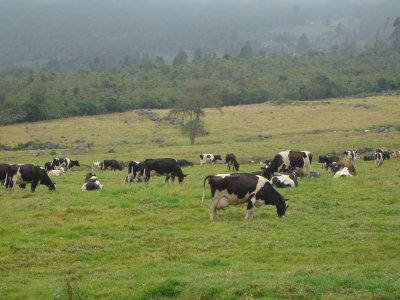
(339,238)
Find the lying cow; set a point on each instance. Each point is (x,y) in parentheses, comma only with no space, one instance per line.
(91,183)
(135,171)
(299,160)
(59,172)
(167,167)
(336,166)
(239,188)
(112,164)
(22,174)
(209,158)
(395,154)
(231,162)
(285,180)
(342,173)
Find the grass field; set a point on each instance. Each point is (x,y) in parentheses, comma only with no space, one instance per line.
(340,238)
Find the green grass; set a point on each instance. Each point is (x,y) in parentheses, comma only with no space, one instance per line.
(339,239)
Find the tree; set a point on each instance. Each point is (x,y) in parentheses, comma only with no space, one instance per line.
(395,36)
(180,59)
(198,56)
(246,51)
(196,96)
(303,44)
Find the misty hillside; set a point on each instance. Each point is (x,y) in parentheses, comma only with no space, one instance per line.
(71,35)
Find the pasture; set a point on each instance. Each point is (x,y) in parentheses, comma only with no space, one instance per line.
(339,239)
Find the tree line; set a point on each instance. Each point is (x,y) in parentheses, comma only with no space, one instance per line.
(212,82)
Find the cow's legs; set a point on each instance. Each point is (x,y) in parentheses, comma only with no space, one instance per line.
(33,185)
(213,210)
(250,206)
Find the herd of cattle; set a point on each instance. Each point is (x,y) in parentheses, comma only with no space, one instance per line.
(254,188)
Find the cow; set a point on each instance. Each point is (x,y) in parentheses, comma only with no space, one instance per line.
(163,166)
(342,173)
(300,160)
(209,158)
(231,162)
(97,165)
(28,173)
(285,180)
(135,171)
(59,172)
(3,173)
(239,188)
(48,166)
(380,156)
(395,154)
(65,163)
(91,183)
(350,155)
(326,160)
(346,164)
(368,157)
(184,163)
(113,164)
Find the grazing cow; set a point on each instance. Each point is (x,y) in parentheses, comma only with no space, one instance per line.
(97,165)
(65,163)
(3,172)
(380,156)
(113,164)
(135,171)
(326,160)
(344,164)
(350,155)
(342,173)
(91,183)
(22,174)
(184,163)
(239,188)
(59,172)
(285,180)
(231,162)
(300,160)
(163,166)
(209,158)
(368,157)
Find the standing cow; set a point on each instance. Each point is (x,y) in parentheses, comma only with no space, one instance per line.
(231,162)
(326,160)
(209,158)
(163,166)
(22,174)
(65,163)
(112,164)
(242,188)
(350,155)
(135,171)
(3,172)
(299,160)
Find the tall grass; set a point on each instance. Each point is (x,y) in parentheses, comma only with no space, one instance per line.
(339,238)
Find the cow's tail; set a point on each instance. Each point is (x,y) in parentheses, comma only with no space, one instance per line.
(204,186)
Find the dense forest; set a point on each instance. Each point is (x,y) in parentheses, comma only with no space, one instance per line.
(226,81)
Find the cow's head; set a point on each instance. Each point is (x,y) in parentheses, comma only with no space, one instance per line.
(181,177)
(52,186)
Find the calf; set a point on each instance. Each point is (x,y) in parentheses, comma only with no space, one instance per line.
(239,188)
(112,164)
(209,158)
(285,180)
(300,160)
(22,174)
(163,166)
(135,171)
(231,162)
(91,183)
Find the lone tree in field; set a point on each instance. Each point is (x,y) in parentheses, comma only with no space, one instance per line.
(395,36)
(197,95)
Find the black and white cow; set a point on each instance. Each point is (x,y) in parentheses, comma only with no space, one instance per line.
(342,173)
(299,160)
(22,174)
(167,167)
(240,188)
(65,163)
(209,158)
(350,155)
(3,173)
(112,164)
(326,160)
(91,183)
(231,162)
(380,156)
(184,163)
(135,171)
(48,166)
(285,180)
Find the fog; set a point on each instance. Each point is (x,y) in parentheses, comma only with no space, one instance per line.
(35,31)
